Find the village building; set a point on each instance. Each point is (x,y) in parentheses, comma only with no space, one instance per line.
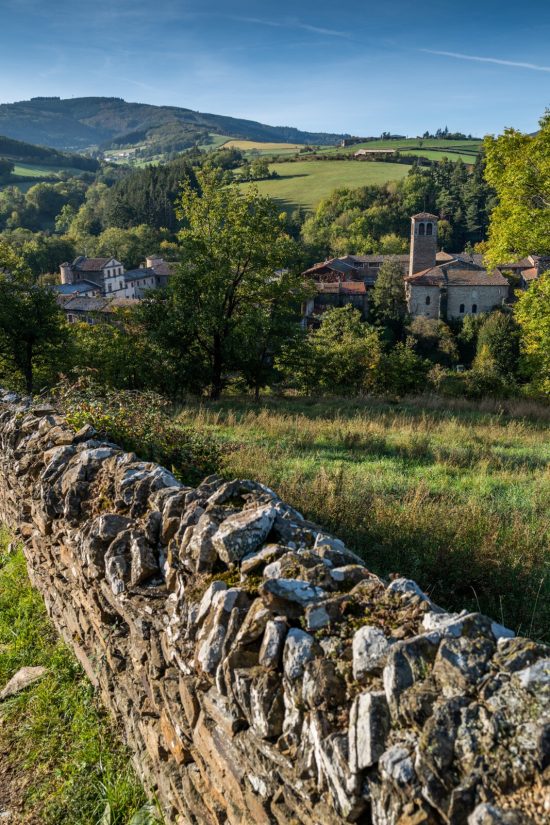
(336,294)
(92,310)
(100,271)
(438,284)
(107,277)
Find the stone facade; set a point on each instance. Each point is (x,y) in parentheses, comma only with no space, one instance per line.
(469,300)
(423,242)
(260,672)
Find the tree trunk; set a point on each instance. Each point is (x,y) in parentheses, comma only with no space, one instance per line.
(27,368)
(217,370)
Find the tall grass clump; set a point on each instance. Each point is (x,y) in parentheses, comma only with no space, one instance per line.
(139,422)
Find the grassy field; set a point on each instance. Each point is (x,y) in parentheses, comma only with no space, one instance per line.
(455,496)
(472,146)
(265,148)
(60,758)
(305,183)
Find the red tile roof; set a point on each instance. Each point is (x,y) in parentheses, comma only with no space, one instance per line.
(342,288)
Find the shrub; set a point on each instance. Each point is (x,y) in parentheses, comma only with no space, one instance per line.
(139,422)
(402,371)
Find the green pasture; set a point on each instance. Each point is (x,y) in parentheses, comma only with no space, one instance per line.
(305,183)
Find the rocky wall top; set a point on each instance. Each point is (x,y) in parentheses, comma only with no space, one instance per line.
(260,672)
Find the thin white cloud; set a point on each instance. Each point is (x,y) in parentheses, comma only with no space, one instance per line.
(478,59)
(292,24)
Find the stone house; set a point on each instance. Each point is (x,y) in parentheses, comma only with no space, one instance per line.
(108,277)
(105,272)
(447,289)
(91,310)
(438,284)
(453,290)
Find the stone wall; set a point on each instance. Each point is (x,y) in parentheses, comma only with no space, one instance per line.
(260,672)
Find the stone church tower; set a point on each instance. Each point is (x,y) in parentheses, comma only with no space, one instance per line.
(423,242)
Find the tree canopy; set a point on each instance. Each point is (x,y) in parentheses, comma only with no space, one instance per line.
(518,167)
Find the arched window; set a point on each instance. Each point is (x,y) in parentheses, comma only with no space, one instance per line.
(428,300)
(429,228)
(461,309)
(421,229)
(474,309)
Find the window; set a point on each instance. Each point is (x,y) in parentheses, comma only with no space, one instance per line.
(110,287)
(428,300)
(474,309)
(421,229)
(461,309)
(429,228)
(120,285)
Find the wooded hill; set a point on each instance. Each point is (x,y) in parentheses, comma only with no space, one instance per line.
(80,123)
(18,151)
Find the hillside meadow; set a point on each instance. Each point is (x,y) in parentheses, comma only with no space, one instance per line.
(452,495)
(306,183)
(422,146)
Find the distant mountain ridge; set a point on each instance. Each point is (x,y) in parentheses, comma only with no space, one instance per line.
(81,123)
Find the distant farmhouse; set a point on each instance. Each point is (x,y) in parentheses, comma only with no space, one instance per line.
(91,288)
(437,284)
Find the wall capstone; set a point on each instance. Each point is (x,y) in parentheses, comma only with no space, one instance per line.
(260,673)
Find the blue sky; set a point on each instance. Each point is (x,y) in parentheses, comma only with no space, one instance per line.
(339,66)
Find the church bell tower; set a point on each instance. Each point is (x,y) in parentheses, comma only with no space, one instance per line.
(423,242)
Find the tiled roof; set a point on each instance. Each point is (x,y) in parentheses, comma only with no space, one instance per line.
(164,268)
(342,288)
(434,276)
(377,259)
(139,274)
(83,304)
(334,265)
(530,274)
(425,216)
(91,264)
(454,275)
(75,289)
(524,263)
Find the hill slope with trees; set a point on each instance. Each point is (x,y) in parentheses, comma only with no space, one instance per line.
(79,123)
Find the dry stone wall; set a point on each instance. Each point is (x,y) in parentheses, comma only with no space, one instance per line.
(260,672)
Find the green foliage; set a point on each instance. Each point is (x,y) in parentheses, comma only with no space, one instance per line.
(402,371)
(60,751)
(518,167)
(31,325)
(532,313)
(147,196)
(433,339)
(231,247)
(388,296)
(139,422)
(499,338)
(369,219)
(340,357)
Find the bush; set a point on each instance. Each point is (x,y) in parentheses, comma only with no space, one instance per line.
(402,371)
(140,422)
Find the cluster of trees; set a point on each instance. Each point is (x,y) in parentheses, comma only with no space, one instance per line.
(231,314)
(444,134)
(376,219)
